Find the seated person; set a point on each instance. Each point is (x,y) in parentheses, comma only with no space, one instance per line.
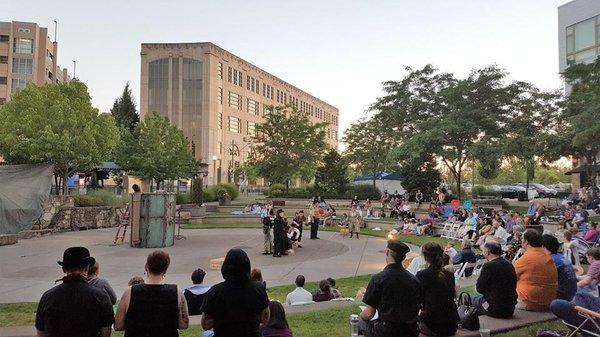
(590,281)
(334,291)
(515,243)
(591,236)
(278,325)
(450,250)
(194,294)
(299,295)
(565,310)
(500,232)
(537,277)
(465,255)
(324,293)
(496,284)
(567,281)
(256,275)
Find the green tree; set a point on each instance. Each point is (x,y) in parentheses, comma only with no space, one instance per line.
(332,175)
(124,110)
(420,174)
(289,146)
(156,150)
(581,117)
(433,113)
(367,147)
(56,123)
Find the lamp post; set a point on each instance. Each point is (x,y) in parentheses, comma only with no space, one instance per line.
(214,158)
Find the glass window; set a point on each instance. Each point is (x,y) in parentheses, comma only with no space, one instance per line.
(192,86)
(220,95)
(4,59)
(4,38)
(257,87)
(220,120)
(247,82)
(229,74)
(235,100)
(585,56)
(220,70)
(252,107)
(235,76)
(175,86)
(234,124)
(23,46)
(158,86)
(240,79)
(251,128)
(585,34)
(3,80)
(18,84)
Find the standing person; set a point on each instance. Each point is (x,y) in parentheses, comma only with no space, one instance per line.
(395,294)
(354,222)
(279,235)
(277,325)
(439,316)
(74,308)
(153,309)
(419,198)
(316,221)
(537,277)
(299,222)
(101,283)
(268,223)
(237,306)
(497,284)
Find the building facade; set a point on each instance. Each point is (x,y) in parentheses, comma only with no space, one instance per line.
(218,99)
(27,55)
(578,42)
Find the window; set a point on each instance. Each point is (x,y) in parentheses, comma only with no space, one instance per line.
(220,70)
(3,80)
(50,56)
(235,76)
(23,46)
(235,100)
(252,84)
(220,148)
(272,93)
(234,124)
(49,74)
(251,128)
(17,84)
(158,85)
(582,41)
(24,30)
(252,107)
(4,38)
(220,95)
(247,82)
(240,81)
(4,59)
(229,74)
(22,66)
(220,121)
(191,86)
(264,90)
(257,87)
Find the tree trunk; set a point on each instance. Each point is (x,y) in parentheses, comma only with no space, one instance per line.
(64,182)
(458,187)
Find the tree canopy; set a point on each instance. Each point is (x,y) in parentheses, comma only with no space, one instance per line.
(124,110)
(332,175)
(56,123)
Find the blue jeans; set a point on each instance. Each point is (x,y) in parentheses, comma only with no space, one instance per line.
(478,302)
(565,310)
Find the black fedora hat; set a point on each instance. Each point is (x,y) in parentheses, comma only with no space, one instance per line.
(76,257)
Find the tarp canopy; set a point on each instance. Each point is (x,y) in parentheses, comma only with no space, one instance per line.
(23,191)
(381,176)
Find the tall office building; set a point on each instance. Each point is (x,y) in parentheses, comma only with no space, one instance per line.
(578,41)
(218,99)
(27,55)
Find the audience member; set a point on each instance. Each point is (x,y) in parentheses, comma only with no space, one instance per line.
(75,307)
(100,282)
(439,315)
(135,280)
(515,244)
(237,306)
(565,310)
(334,291)
(277,325)
(153,309)
(194,294)
(592,278)
(299,295)
(324,292)
(591,236)
(256,275)
(465,255)
(450,250)
(537,277)
(497,284)
(395,294)
(567,281)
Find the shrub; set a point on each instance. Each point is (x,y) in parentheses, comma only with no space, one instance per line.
(196,193)
(483,202)
(231,189)
(275,190)
(363,192)
(97,198)
(183,198)
(478,190)
(208,194)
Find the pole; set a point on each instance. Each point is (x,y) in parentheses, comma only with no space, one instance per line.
(55,29)
(74,68)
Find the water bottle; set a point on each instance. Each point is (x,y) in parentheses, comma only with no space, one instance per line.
(353,325)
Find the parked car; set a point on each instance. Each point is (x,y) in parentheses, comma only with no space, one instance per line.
(516,192)
(542,191)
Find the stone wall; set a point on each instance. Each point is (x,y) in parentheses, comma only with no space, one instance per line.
(52,206)
(81,218)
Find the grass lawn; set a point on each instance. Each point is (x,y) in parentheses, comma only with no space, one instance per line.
(17,314)
(220,225)
(348,286)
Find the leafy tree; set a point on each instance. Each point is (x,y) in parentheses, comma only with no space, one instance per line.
(124,110)
(581,116)
(156,150)
(433,113)
(289,146)
(56,123)
(197,192)
(332,175)
(420,174)
(367,147)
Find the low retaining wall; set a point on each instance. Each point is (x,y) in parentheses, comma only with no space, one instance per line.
(233,219)
(80,218)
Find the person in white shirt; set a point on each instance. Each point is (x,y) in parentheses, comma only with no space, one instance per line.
(501,233)
(299,295)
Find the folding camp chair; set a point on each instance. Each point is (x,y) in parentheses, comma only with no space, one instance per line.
(590,317)
(478,265)
(455,269)
(518,255)
(446,230)
(466,266)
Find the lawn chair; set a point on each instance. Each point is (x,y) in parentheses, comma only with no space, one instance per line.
(519,253)
(590,317)
(456,231)
(571,254)
(455,269)
(478,266)
(446,230)
(466,266)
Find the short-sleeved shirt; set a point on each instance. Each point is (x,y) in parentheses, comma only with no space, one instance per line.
(74,309)
(236,308)
(396,294)
(594,271)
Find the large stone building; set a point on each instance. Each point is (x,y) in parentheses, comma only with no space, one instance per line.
(579,42)
(27,55)
(218,99)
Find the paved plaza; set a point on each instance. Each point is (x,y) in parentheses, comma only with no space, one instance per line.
(29,268)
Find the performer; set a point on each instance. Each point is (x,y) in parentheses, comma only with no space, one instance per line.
(354,222)
(316,221)
(268,222)
(299,222)
(419,198)
(279,234)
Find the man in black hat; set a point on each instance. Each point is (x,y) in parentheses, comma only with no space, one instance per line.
(396,296)
(74,308)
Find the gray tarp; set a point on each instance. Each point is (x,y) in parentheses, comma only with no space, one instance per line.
(23,191)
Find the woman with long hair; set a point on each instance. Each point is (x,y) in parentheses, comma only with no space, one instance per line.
(278,325)
(438,313)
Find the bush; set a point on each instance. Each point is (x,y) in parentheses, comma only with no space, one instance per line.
(196,193)
(478,190)
(183,198)
(275,190)
(362,192)
(231,189)
(483,202)
(208,194)
(96,199)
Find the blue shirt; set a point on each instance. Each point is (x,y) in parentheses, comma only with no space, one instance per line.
(567,281)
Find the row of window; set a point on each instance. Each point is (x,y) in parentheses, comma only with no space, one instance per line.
(23,46)
(583,41)
(22,66)
(252,84)
(234,76)
(17,83)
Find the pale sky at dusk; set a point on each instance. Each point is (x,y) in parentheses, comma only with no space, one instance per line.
(338,50)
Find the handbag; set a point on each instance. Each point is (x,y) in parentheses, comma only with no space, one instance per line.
(469,319)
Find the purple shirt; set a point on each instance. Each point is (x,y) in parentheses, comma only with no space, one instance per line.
(594,271)
(272,332)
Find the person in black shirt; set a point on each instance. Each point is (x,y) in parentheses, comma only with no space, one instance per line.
(267,222)
(153,309)
(439,316)
(395,294)
(237,306)
(497,284)
(465,255)
(280,239)
(74,308)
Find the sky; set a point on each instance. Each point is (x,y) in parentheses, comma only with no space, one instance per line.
(337,50)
